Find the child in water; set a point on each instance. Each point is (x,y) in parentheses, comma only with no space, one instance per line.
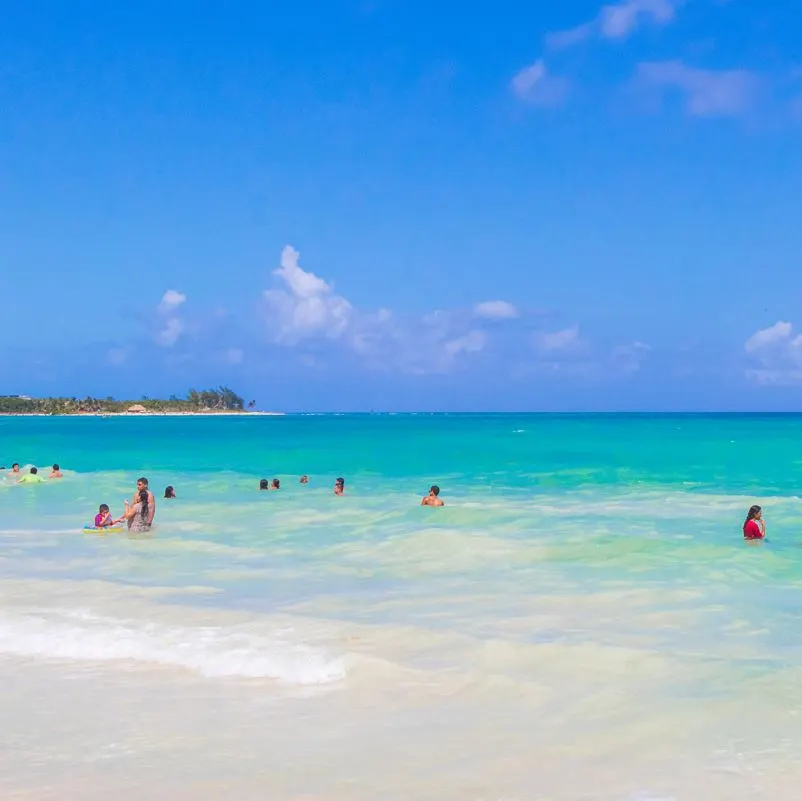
(103,518)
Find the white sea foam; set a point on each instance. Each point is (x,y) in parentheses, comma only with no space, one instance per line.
(212,651)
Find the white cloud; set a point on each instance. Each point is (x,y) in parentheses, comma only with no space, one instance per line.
(496,310)
(620,20)
(556,341)
(472,342)
(535,85)
(559,40)
(171,332)
(307,307)
(776,353)
(171,301)
(778,334)
(707,93)
(616,21)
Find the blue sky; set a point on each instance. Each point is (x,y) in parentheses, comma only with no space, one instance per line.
(377,204)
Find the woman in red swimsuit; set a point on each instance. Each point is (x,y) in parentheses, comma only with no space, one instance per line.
(754,525)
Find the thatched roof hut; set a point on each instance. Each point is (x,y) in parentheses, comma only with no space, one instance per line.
(137,408)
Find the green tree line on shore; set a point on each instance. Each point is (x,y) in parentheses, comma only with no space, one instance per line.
(221,399)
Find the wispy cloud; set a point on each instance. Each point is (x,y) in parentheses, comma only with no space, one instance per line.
(552,342)
(616,21)
(629,358)
(536,85)
(496,310)
(170,324)
(171,301)
(706,93)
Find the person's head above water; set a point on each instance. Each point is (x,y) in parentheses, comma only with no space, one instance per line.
(15,467)
(169,492)
(339,486)
(56,468)
(34,471)
(434,490)
(755,512)
(276,484)
(263,484)
(304,479)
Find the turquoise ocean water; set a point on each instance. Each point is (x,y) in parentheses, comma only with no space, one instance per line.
(585,594)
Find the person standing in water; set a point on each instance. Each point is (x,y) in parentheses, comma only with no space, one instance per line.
(56,472)
(433,498)
(139,514)
(142,486)
(754,525)
(339,486)
(169,492)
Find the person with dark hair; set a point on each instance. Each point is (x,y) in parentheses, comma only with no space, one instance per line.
(32,477)
(339,486)
(754,525)
(433,498)
(169,492)
(56,472)
(304,479)
(142,484)
(103,518)
(275,484)
(264,484)
(139,514)
(15,468)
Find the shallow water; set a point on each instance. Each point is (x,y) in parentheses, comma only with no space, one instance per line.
(581,621)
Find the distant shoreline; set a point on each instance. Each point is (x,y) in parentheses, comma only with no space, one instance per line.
(226,413)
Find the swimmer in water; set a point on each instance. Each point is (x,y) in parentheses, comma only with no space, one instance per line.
(433,498)
(304,479)
(264,485)
(275,484)
(56,472)
(339,486)
(754,525)
(169,492)
(31,478)
(15,468)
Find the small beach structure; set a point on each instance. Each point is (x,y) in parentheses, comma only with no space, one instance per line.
(137,408)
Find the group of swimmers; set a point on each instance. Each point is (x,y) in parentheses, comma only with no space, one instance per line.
(32,476)
(139,513)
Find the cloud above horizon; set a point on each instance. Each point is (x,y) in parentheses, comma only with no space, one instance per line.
(171,326)
(775,355)
(705,93)
(496,310)
(616,21)
(536,85)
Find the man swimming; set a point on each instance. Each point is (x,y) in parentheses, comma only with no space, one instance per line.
(56,472)
(433,498)
(142,484)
